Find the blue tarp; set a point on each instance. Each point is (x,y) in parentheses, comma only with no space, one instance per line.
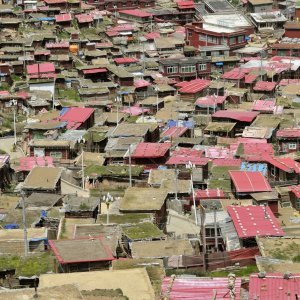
(173,123)
(11,226)
(254,167)
(46,19)
(64,110)
(43,214)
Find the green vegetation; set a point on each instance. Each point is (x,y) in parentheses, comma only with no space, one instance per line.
(126,218)
(29,266)
(132,119)
(143,230)
(105,294)
(4,86)
(112,170)
(68,94)
(286,251)
(2,151)
(222,172)
(222,184)
(16,77)
(242,272)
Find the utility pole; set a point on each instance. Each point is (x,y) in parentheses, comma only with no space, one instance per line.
(15,127)
(176,183)
(24,224)
(215,228)
(203,234)
(129,160)
(82,169)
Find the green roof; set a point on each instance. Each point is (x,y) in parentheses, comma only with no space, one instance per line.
(141,231)
(113,170)
(130,218)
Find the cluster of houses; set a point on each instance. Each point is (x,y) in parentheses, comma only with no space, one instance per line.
(152,140)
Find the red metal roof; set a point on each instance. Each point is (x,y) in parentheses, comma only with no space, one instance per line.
(185,4)
(136,13)
(134,110)
(63,18)
(264,86)
(257,151)
(84,18)
(184,160)
(250,78)
(295,190)
(55,1)
(209,194)
(125,60)
(151,150)
(41,68)
(230,162)
(242,116)
(249,182)
(174,132)
(57,45)
(219,152)
(197,288)
(251,221)
(75,116)
(285,82)
(194,86)
(288,133)
(28,163)
(210,100)
(285,164)
(152,35)
(94,71)
(274,286)
(140,83)
(235,74)
(264,105)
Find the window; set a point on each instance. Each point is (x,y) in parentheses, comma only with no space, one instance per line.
(241,39)
(56,154)
(232,40)
(190,33)
(292,146)
(210,232)
(172,69)
(202,37)
(202,67)
(147,4)
(124,4)
(188,69)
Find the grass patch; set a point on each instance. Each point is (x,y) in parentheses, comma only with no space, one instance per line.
(68,94)
(222,172)
(242,272)
(112,170)
(132,119)
(29,266)
(126,218)
(143,230)
(222,184)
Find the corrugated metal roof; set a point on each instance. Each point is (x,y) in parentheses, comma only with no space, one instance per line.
(251,221)
(41,68)
(274,286)
(136,13)
(264,86)
(199,288)
(151,150)
(194,86)
(63,18)
(288,133)
(245,182)
(77,114)
(243,116)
